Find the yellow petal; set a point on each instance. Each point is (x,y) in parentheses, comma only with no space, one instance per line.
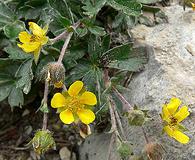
(88,98)
(36,30)
(45,29)
(24,37)
(75,88)
(173,105)
(86,116)
(58,100)
(29,47)
(181,137)
(169,130)
(44,40)
(37,54)
(182,113)
(165,113)
(176,134)
(67,116)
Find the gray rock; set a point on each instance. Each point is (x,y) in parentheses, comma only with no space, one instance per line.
(97,147)
(170,72)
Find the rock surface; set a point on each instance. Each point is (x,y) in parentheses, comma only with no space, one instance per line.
(169,72)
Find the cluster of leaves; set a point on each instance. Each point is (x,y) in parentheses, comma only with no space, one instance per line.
(93,47)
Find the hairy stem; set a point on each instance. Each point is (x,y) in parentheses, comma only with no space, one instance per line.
(65,47)
(68,37)
(59,37)
(127,105)
(45,98)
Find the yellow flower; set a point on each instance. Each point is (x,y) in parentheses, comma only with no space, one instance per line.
(193,6)
(172,116)
(74,104)
(32,43)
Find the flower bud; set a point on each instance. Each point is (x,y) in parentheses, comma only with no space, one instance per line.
(43,141)
(124,150)
(136,117)
(56,73)
(84,130)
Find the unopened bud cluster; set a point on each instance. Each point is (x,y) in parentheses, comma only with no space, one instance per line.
(56,72)
(43,141)
(136,117)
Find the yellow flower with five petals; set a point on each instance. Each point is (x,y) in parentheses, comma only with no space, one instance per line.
(74,104)
(33,42)
(172,116)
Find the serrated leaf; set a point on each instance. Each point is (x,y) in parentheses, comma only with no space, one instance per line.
(6,15)
(16,97)
(26,75)
(16,53)
(99,31)
(92,7)
(136,60)
(130,7)
(118,53)
(5,89)
(12,30)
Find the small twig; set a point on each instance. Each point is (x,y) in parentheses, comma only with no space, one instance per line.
(59,37)
(112,115)
(16,148)
(126,104)
(111,104)
(128,79)
(119,122)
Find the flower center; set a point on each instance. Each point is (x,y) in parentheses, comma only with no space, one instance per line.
(74,104)
(173,121)
(34,38)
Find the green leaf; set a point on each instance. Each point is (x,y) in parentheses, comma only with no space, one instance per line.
(94,48)
(130,7)
(16,97)
(106,43)
(99,31)
(135,62)
(78,72)
(75,53)
(5,89)
(81,32)
(6,15)
(118,53)
(92,7)
(148,1)
(25,76)
(31,9)
(16,53)
(152,9)
(12,30)
(59,23)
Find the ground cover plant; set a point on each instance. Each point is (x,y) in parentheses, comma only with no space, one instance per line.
(71,61)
